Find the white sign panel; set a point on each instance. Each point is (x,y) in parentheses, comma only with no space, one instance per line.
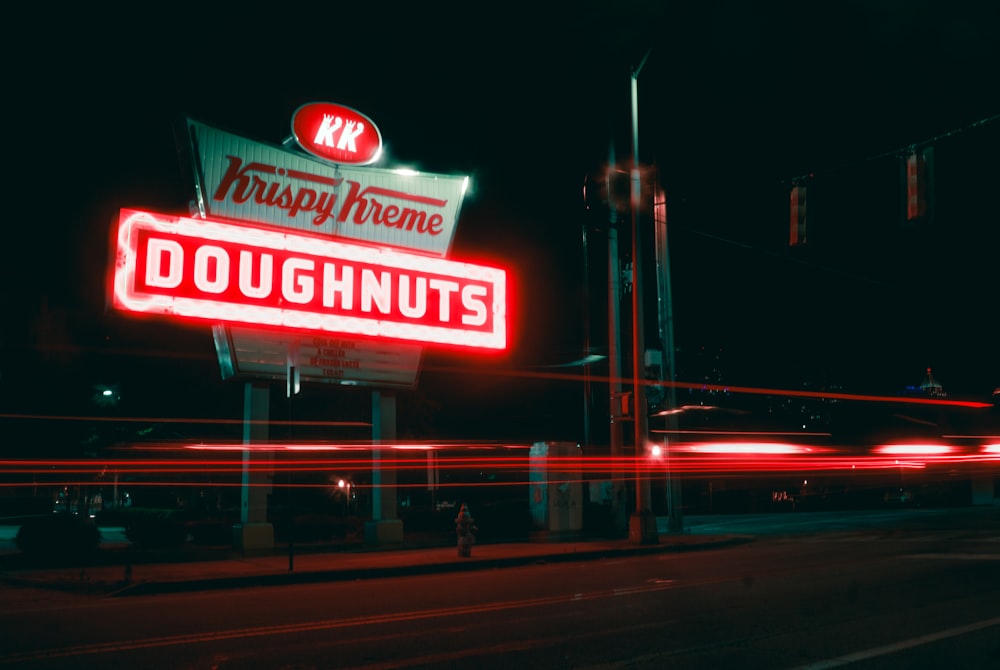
(250,181)
(331,359)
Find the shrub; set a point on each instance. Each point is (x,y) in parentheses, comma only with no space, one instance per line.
(318,528)
(112,517)
(212,532)
(61,536)
(155,530)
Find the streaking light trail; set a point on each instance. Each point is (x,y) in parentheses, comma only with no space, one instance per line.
(914,449)
(481,464)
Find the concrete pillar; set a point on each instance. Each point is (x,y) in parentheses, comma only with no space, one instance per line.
(253,531)
(384,528)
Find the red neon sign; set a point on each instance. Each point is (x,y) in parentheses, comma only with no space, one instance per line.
(202,269)
(336,133)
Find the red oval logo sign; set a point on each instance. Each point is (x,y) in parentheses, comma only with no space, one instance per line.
(336,133)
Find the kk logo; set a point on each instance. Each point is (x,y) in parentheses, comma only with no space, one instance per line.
(336,133)
(348,132)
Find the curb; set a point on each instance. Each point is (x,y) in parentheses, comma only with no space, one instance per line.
(122,588)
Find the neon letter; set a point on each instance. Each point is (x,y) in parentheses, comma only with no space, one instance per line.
(202,257)
(263,287)
(472,300)
(155,251)
(446,288)
(418,307)
(377,289)
(344,286)
(295,287)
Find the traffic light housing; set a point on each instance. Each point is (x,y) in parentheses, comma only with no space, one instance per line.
(797,234)
(918,171)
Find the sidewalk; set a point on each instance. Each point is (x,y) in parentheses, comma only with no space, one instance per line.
(273,569)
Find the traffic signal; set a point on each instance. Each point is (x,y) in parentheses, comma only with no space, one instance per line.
(919,167)
(626,406)
(797,225)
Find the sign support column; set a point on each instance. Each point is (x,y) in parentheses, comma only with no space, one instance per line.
(384,528)
(254,531)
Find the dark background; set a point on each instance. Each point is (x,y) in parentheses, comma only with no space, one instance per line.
(735,101)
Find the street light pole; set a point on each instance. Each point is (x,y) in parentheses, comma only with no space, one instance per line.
(675,522)
(642,524)
(617,437)
(586,338)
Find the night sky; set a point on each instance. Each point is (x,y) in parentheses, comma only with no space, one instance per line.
(735,100)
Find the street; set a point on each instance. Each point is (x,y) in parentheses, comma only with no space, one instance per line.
(918,593)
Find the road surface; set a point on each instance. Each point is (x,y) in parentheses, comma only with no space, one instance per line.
(912,594)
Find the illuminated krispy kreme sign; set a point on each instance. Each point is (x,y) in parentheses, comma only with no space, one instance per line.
(203,269)
(251,181)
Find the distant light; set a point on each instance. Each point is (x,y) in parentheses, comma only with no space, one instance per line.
(914,449)
(748,448)
(681,410)
(308,447)
(107,393)
(586,360)
(656,451)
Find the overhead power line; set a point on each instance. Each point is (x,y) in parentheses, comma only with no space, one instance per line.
(897,152)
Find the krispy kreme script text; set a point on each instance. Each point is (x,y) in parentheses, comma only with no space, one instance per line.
(268,185)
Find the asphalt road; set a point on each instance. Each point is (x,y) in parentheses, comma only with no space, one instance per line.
(910,591)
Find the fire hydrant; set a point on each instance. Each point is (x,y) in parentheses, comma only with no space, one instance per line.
(465,528)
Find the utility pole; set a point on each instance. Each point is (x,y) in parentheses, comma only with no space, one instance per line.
(642,524)
(668,368)
(586,339)
(618,506)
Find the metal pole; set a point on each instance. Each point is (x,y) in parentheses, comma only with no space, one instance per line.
(667,371)
(586,339)
(291,511)
(642,526)
(618,506)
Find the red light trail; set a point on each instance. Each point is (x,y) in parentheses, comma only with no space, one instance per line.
(511,465)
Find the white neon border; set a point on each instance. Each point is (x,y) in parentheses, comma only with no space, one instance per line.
(125,298)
